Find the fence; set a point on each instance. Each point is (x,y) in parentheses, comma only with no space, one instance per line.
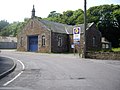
(8,45)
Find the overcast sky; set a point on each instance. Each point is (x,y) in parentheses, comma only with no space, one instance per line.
(17,10)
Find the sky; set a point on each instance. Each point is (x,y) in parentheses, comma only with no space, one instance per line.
(17,10)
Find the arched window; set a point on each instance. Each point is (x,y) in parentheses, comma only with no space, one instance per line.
(43,40)
(59,41)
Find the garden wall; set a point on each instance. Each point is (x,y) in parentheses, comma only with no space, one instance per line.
(103,55)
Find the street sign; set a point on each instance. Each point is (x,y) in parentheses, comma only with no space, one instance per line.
(72,46)
(76,35)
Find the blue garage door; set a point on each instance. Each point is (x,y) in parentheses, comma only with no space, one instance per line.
(33,43)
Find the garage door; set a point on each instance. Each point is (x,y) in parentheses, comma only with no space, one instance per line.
(33,43)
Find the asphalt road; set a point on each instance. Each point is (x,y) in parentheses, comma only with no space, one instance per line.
(60,72)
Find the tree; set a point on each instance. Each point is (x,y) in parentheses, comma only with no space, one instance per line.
(54,16)
(3,23)
(68,17)
(14,28)
(93,14)
(109,28)
(10,29)
(116,14)
(73,17)
(78,16)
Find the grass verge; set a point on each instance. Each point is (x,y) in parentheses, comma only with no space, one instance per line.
(116,49)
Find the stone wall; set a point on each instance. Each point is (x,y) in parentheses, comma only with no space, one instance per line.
(91,33)
(34,28)
(103,55)
(54,43)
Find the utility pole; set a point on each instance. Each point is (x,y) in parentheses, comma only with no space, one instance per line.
(85,26)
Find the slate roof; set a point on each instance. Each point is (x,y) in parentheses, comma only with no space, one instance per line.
(55,27)
(62,28)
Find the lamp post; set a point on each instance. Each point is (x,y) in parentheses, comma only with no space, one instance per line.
(85,26)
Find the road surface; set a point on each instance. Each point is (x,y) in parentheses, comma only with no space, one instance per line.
(36,71)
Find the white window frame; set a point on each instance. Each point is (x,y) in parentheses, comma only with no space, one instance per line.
(59,41)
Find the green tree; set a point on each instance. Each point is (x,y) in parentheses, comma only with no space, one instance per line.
(10,29)
(68,17)
(78,16)
(3,23)
(14,28)
(54,16)
(93,14)
(109,28)
(116,14)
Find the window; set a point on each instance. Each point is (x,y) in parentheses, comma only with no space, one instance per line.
(94,41)
(59,41)
(21,41)
(43,40)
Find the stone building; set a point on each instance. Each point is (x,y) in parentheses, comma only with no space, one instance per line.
(40,35)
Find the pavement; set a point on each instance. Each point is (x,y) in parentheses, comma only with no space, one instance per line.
(7,65)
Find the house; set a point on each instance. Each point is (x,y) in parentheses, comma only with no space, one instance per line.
(105,43)
(8,42)
(93,37)
(40,35)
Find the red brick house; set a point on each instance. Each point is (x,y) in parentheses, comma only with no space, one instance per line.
(46,36)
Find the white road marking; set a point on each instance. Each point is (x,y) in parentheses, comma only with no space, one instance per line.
(23,68)
(12,79)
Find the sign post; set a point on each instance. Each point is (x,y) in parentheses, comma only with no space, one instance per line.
(76,37)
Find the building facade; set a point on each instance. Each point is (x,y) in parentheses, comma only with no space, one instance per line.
(40,35)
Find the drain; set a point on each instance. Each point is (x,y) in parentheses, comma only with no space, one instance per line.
(78,78)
